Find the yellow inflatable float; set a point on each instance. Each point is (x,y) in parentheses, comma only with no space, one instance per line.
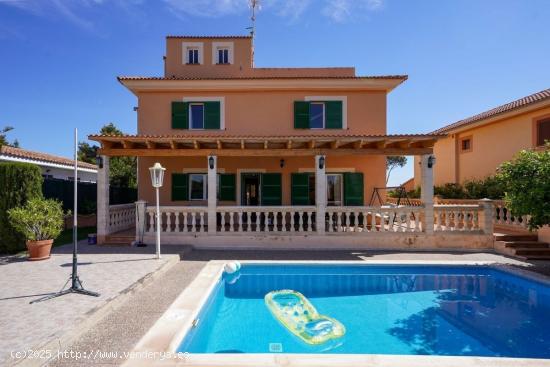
(300,317)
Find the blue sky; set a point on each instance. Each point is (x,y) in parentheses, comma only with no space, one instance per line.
(60,58)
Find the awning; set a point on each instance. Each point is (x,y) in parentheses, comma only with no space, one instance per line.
(267,146)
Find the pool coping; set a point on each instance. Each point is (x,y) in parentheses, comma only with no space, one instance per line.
(158,346)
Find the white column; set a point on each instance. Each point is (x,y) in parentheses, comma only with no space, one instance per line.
(320,192)
(212,191)
(140,218)
(427,192)
(103,200)
(487,216)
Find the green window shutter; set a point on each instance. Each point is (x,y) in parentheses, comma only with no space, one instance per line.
(212,115)
(271,189)
(333,115)
(353,189)
(180,188)
(180,119)
(227,187)
(299,193)
(301,115)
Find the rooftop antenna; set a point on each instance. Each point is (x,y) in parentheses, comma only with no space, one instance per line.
(254,5)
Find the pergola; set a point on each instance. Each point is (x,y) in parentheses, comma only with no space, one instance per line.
(246,145)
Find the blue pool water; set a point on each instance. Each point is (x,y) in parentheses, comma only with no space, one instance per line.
(434,310)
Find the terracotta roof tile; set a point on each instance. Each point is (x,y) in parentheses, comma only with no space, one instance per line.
(206,36)
(402,77)
(517,104)
(223,135)
(43,157)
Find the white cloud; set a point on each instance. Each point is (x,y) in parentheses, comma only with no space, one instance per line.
(341,11)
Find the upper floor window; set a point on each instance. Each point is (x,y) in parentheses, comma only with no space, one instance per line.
(466,144)
(319,114)
(316,115)
(223,55)
(193,55)
(543,131)
(196,115)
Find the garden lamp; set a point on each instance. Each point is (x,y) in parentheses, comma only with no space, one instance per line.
(157,176)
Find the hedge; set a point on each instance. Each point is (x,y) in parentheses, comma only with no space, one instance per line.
(19,182)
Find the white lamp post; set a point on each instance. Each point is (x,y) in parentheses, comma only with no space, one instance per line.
(157,176)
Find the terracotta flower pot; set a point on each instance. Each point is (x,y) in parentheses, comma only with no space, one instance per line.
(39,250)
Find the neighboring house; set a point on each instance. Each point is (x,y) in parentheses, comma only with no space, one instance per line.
(476,146)
(263,150)
(52,166)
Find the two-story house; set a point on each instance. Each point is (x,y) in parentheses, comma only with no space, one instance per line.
(257,150)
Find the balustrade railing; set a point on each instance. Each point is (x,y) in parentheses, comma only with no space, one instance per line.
(457,217)
(177,219)
(504,217)
(272,219)
(373,219)
(121,217)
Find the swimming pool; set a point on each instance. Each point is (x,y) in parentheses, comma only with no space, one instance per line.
(438,310)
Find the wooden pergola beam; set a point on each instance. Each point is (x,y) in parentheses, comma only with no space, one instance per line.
(261,152)
(219,144)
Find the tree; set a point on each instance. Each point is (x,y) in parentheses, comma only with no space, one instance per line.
(122,170)
(394,161)
(4,139)
(526,179)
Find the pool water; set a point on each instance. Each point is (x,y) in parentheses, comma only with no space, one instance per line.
(430,310)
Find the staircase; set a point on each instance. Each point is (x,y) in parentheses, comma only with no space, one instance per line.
(125,237)
(524,246)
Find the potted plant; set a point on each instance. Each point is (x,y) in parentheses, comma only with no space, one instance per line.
(40,221)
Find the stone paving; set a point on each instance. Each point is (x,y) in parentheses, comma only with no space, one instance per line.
(107,270)
(120,331)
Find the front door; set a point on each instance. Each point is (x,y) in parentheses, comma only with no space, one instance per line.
(250,189)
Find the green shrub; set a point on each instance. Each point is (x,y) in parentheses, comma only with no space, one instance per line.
(19,182)
(39,219)
(527,182)
(490,187)
(450,191)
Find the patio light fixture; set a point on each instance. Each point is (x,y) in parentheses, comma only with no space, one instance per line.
(157,177)
(282,163)
(322,162)
(431,161)
(211,162)
(99,161)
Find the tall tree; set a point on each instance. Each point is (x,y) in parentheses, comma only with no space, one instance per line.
(3,137)
(394,161)
(122,170)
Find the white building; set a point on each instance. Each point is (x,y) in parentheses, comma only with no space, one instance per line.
(52,166)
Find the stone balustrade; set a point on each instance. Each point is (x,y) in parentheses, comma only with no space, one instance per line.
(121,217)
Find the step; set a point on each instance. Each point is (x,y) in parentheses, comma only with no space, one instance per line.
(535,257)
(525,244)
(531,251)
(515,237)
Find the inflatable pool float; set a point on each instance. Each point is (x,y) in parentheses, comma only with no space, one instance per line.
(300,317)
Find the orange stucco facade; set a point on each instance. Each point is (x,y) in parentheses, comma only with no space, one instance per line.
(492,142)
(255,102)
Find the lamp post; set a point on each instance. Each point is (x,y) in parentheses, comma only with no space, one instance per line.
(157,176)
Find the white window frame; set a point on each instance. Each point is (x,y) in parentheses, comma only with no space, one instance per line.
(190,122)
(199,99)
(204,186)
(186,46)
(324,115)
(341,188)
(343,99)
(222,45)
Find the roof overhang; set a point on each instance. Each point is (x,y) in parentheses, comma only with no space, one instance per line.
(451,129)
(266,146)
(138,85)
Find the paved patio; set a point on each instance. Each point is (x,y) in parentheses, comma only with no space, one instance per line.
(111,271)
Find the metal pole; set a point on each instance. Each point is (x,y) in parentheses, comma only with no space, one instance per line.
(75,283)
(158,225)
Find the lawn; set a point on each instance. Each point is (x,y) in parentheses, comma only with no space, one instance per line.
(67,235)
